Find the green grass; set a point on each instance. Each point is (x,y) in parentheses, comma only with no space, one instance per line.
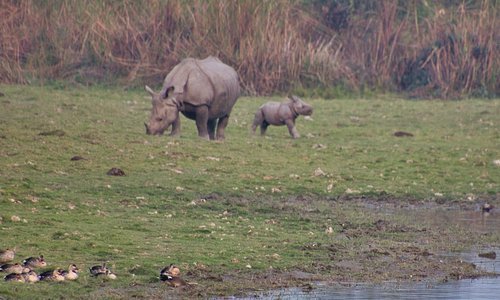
(245,201)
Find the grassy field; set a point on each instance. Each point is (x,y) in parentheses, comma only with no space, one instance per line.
(244,205)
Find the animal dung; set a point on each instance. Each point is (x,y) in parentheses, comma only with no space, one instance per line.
(77,157)
(489,255)
(56,132)
(115,172)
(402,134)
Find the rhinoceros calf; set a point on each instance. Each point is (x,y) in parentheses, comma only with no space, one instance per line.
(202,90)
(284,113)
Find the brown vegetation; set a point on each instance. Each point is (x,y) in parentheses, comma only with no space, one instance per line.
(441,50)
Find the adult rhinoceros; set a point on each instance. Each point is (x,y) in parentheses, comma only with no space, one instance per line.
(202,90)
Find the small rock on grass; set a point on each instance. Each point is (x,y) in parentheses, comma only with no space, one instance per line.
(115,172)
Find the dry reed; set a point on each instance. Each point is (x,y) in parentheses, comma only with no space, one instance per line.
(274,45)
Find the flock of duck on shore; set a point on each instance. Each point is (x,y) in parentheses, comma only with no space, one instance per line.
(25,271)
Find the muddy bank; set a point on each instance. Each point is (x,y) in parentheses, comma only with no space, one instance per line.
(387,240)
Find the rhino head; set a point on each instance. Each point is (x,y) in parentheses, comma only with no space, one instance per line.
(299,107)
(165,110)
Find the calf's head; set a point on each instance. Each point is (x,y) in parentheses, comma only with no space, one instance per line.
(299,107)
(164,112)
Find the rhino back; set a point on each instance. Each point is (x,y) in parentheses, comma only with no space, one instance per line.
(275,112)
(209,82)
(225,84)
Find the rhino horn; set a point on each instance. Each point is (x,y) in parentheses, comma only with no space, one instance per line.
(147,129)
(149,90)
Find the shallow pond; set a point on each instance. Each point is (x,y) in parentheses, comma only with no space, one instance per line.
(481,288)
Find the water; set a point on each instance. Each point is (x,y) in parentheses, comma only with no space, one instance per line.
(481,288)
(484,288)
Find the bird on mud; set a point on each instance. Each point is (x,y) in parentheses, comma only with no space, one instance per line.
(35,262)
(170,270)
(7,255)
(486,207)
(171,275)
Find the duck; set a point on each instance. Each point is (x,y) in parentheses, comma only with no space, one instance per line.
(52,275)
(35,262)
(170,270)
(14,268)
(7,255)
(14,277)
(71,273)
(30,276)
(107,274)
(99,269)
(171,275)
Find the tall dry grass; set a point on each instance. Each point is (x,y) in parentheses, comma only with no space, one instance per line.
(274,45)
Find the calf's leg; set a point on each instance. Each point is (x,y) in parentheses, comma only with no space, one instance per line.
(291,128)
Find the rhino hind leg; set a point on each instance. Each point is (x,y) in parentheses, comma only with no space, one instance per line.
(221,127)
(202,121)
(258,120)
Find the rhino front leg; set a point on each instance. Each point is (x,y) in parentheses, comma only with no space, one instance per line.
(291,128)
(221,127)
(202,121)
(176,127)
(211,128)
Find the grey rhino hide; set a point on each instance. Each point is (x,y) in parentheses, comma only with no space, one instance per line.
(202,90)
(284,113)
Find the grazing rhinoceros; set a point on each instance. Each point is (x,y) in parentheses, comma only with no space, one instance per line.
(202,90)
(275,113)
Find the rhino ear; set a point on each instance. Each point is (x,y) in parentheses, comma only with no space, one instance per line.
(293,98)
(168,91)
(149,90)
